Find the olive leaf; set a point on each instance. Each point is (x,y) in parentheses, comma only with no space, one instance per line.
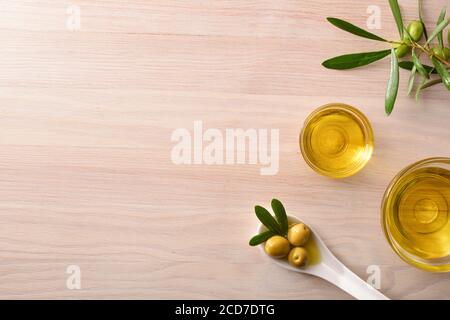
(443,72)
(392,87)
(347,26)
(354,60)
(441,26)
(440,19)
(422,20)
(420,87)
(409,65)
(419,67)
(431,83)
(267,219)
(280,214)
(397,15)
(411,80)
(260,238)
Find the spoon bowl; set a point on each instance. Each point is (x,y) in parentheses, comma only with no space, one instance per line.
(328,268)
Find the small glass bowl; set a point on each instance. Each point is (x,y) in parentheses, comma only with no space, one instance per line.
(341,145)
(389,214)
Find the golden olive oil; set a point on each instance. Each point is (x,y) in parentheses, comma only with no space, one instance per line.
(419,222)
(337,140)
(313,251)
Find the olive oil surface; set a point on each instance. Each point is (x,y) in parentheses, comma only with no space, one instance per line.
(419,221)
(313,251)
(336,142)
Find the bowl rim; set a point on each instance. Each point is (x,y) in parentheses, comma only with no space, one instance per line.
(395,248)
(368,134)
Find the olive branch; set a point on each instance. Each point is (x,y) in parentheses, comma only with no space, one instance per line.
(410,43)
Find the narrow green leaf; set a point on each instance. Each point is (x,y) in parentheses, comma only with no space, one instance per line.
(347,26)
(280,214)
(260,238)
(443,72)
(425,33)
(392,87)
(440,19)
(431,83)
(419,88)
(267,219)
(441,26)
(419,67)
(355,60)
(411,80)
(409,65)
(397,16)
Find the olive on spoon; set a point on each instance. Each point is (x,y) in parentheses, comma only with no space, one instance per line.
(328,268)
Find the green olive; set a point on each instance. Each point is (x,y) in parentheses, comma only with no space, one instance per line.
(402,50)
(277,247)
(298,234)
(438,51)
(298,257)
(447,53)
(415,30)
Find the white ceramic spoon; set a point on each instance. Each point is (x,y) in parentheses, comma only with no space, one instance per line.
(330,269)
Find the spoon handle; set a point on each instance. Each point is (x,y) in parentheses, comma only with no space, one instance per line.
(342,277)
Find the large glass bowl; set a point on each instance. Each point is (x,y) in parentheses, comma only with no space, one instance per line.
(428,212)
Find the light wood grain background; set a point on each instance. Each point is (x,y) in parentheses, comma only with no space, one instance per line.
(85,124)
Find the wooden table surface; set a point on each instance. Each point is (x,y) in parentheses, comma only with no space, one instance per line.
(86,118)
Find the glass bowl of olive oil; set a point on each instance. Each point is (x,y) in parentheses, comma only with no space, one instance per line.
(336,140)
(415,214)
